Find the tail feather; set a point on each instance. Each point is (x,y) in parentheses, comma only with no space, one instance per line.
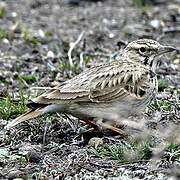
(24,117)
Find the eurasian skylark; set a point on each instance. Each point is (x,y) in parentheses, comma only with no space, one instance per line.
(124,87)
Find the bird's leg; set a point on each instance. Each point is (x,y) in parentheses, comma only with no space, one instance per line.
(90,123)
(109,126)
(100,122)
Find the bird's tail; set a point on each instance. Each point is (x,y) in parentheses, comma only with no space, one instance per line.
(24,117)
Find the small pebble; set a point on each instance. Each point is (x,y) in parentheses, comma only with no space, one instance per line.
(15,174)
(33,156)
(50,54)
(95,142)
(155,23)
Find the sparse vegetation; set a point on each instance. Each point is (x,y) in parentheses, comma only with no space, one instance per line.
(11,106)
(131,151)
(162,105)
(2,12)
(2,33)
(25,33)
(29,78)
(127,32)
(35,41)
(142,4)
(162,85)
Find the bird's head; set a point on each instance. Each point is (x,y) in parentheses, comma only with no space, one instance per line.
(145,50)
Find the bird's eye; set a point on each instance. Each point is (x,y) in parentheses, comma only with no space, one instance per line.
(142,49)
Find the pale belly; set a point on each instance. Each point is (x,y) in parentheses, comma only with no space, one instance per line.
(123,109)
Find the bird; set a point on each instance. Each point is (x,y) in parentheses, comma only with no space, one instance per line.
(124,87)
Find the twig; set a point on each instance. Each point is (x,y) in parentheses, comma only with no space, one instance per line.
(69,122)
(45,131)
(25,83)
(172,155)
(171,30)
(81,60)
(129,163)
(42,88)
(83,167)
(72,45)
(101,166)
(109,55)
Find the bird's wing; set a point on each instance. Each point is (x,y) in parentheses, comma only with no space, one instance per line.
(74,90)
(132,81)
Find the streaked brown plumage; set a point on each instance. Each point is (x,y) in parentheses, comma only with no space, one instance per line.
(123,87)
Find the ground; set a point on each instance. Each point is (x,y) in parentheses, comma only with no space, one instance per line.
(35,41)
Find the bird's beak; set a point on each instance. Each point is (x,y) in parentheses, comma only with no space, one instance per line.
(165,49)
